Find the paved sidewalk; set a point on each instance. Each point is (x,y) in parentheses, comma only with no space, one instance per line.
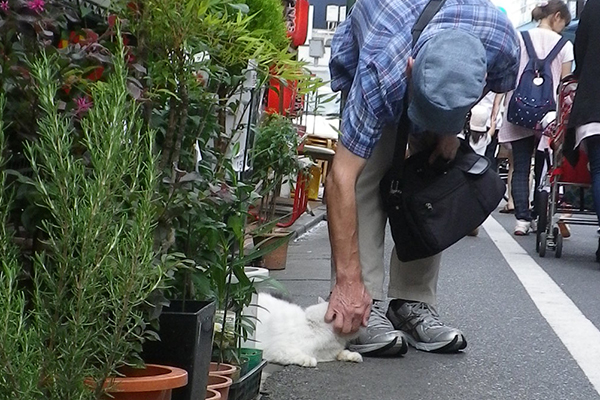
(316,214)
(513,352)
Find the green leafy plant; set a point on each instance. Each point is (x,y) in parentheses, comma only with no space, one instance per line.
(274,159)
(268,17)
(98,270)
(198,55)
(20,344)
(92,279)
(82,44)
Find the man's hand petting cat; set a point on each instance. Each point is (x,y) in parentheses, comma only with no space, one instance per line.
(349,307)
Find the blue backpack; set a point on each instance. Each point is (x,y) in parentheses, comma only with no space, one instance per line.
(534,96)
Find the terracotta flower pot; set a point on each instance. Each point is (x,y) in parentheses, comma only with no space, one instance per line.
(276,259)
(228,370)
(155,382)
(212,394)
(221,384)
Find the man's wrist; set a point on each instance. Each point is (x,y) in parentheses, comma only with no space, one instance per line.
(349,277)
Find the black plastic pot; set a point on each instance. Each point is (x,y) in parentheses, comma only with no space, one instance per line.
(186,342)
(248,386)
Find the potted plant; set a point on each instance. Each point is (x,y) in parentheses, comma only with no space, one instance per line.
(90,283)
(274,160)
(197,56)
(200,192)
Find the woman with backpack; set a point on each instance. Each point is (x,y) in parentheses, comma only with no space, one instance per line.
(584,121)
(539,76)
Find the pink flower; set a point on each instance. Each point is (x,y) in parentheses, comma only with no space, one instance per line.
(36,5)
(83,104)
(4,5)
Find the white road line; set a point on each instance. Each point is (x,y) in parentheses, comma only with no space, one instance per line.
(577,332)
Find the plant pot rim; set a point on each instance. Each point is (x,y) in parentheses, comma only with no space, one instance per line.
(250,269)
(221,385)
(230,368)
(249,350)
(159,377)
(215,395)
(194,307)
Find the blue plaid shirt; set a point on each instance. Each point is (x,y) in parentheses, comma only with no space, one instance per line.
(370,51)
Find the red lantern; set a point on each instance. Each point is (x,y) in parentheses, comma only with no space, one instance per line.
(297,17)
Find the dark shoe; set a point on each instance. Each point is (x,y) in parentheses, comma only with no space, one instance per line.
(423,328)
(506,210)
(379,338)
(598,252)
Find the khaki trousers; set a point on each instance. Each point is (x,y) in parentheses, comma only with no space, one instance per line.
(415,280)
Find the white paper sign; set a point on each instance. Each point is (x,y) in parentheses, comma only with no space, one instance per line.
(333,13)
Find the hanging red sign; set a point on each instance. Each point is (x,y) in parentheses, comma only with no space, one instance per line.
(297,19)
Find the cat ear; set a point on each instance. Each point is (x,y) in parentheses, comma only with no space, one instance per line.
(321,300)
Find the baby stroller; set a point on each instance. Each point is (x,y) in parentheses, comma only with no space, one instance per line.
(562,178)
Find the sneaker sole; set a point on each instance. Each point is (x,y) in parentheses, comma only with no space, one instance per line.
(458,343)
(393,348)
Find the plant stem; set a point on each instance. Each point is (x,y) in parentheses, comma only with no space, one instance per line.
(183,114)
(171,127)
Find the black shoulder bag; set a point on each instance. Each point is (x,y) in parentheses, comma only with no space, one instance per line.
(430,207)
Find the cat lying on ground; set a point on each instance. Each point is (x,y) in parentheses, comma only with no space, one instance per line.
(288,334)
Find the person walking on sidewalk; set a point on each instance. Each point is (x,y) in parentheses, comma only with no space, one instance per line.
(553,17)
(468,45)
(584,121)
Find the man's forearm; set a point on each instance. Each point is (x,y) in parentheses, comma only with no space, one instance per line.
(342,215)
(350,303)
(343,230)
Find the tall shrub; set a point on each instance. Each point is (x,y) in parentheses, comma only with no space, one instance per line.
(97,271)
(86,312)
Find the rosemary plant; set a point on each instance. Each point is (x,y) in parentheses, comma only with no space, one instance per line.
(97,269)
(20,345)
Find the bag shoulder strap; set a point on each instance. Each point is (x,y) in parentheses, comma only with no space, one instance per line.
(426,16)
(533,55)
(555,50)
(430,10)
(529,46)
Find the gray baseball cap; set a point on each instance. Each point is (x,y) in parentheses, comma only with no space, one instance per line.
(448,77)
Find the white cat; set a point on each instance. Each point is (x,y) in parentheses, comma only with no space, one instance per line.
(288,334)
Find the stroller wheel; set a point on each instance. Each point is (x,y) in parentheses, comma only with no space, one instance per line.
(543,244)
(558,240)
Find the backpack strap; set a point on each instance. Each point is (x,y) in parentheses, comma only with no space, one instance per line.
(533,55)
(529,46)
(554,52)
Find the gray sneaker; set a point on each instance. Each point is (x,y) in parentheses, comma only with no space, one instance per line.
(379,338)
(423,328)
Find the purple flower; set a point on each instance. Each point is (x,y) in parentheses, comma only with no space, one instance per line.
(36,5)
(4,5)
(83,104)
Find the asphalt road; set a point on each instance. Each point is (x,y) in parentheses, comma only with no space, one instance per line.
(531,324)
